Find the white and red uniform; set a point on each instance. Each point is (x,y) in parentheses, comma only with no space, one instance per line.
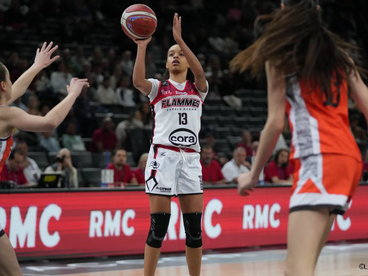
(5,149)
(326,158)
(173,165)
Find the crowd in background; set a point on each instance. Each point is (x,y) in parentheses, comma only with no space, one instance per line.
(93,46)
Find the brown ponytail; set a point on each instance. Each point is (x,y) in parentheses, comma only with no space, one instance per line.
(296,38)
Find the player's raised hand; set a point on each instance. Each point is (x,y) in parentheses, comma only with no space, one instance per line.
(76,86)
(143,42)
(43,55)
(246,183)
(177,28)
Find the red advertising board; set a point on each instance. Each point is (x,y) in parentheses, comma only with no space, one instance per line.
(58,224)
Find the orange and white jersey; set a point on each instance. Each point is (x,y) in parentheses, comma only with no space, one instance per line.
(5,148)
(318,125)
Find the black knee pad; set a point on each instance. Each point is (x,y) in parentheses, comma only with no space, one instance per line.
(193,231)
(158,229)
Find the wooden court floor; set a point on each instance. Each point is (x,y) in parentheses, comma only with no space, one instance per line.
(336,260)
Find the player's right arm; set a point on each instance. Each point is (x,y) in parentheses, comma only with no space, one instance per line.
(359,93)
(16,117)
(139,73)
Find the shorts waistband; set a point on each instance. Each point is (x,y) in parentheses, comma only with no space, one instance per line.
(175,148)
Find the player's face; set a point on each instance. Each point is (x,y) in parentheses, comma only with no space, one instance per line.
(176,61)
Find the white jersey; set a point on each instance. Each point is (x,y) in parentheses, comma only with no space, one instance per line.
(177,111)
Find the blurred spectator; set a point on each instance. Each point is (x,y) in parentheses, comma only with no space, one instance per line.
(151,68)
(45,107)
(12,61)
(279,170)
(97,56)
(236,166)
(231,44)
(105,94)
(42,83)
(246,142)
(145,111)
(134,121)
(124,92)
(211,169)
(85,114)
(80,60)
(71,140)
(13,171)
(104,138)
(22,66)
(358,132)
(73,67)
(49,143)
(30,166)
(114,63)
(139,173)
(365,167)
(127,63)
(122,172)
(215,40)
(115,78)
(18,103)
(210,140)
(235,13)
(63,164)
(60,79)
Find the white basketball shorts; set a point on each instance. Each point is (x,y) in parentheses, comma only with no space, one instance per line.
(172,171)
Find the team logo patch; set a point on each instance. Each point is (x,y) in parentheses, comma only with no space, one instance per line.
(155,165)
(183,137)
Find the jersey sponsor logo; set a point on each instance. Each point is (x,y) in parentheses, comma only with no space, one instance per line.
(183,137)
(180,102)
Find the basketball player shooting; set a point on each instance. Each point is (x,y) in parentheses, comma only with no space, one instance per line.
(173,167)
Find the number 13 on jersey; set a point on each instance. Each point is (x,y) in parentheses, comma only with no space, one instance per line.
(183,118)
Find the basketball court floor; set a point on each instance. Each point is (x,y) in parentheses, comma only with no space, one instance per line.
(336,260)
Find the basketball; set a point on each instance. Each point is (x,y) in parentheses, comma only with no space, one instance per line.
(138,21)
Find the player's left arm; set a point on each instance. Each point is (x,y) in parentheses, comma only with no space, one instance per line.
(276,94)
(42,60)
(194,64)
(275,119)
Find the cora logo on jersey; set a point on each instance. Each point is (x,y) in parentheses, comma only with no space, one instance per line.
(183,137)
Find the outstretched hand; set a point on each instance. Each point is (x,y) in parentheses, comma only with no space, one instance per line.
(43,56)
(246,183)
(143,42)
(177,28)
(76,86)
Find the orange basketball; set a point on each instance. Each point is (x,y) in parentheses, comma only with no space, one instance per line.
(138,21)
